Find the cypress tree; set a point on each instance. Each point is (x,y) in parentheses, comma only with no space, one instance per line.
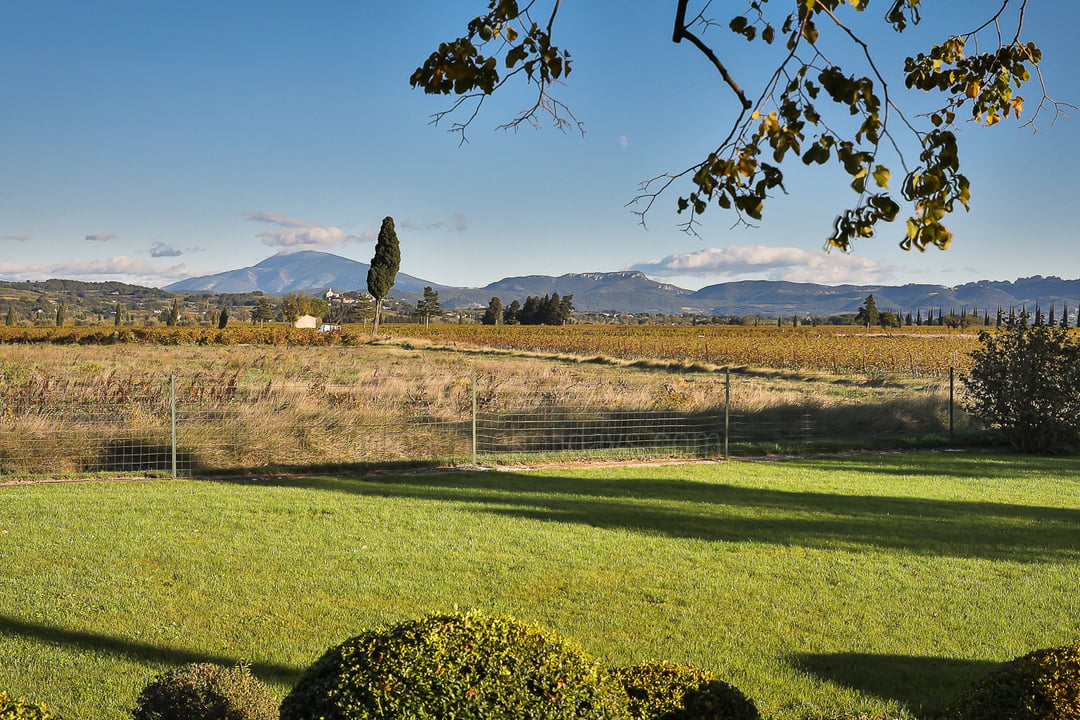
(1064,314)
(10,316)
(384,268)
(223,319)
(118,315)
(172,316)
(493,314)
(511,313)
(61,314)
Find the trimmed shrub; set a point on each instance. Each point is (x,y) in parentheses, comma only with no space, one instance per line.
(205,691)
(665,691)
(465,666)
(21,709)
(1042,685)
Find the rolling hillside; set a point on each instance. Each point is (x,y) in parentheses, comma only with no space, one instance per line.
(632,292)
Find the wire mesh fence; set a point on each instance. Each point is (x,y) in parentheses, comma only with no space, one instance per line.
(586,431)
(203,424)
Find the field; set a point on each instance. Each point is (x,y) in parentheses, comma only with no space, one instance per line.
(917,351)
(350,400)
(821,587)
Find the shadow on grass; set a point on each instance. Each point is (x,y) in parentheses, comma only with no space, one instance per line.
(728,513)
(924,684)
(141,652)
(948,465)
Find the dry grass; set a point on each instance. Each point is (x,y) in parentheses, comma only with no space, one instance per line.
(252,406)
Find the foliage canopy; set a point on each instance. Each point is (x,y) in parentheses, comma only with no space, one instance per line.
(809,108)
(1042,684)
(1025,380)
(206,691)
(465,666)
(868,312)
(429,306)
(384,267)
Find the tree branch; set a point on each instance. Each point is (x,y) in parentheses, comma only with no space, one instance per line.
(681,32)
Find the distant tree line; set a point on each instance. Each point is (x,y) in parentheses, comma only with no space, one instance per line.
(547,310)
(79,303)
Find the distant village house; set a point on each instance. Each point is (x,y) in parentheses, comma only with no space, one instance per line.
(306,321)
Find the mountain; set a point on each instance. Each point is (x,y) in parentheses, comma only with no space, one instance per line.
(632,292)
(773,298)
(306,271)
(626,291)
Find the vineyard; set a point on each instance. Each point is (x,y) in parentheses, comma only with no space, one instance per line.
(840,350)
(915,351)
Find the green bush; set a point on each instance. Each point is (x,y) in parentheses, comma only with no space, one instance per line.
(1025,381)
(205,691)
(12,709)
(664,691)
(464,666)
(1042,685)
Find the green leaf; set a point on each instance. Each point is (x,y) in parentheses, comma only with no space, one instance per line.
(515,55)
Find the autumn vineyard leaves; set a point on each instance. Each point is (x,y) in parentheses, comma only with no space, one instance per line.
(916,351)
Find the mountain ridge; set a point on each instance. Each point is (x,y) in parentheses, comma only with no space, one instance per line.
(631,291)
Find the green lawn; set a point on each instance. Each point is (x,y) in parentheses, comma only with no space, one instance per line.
(820,586)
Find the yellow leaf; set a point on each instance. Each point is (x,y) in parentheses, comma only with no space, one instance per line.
(881,176)
(973,90)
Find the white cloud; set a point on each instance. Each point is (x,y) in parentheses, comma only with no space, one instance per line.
(102,237)
(121,268)
(775,263)
(295,233)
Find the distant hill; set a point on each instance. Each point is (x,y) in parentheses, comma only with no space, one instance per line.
(627,291)
(780,298)
(306,271)
(632,292)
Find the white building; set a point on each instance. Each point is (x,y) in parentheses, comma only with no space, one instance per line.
(306,321)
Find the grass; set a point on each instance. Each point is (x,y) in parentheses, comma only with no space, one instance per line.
(258,406)
(820,586)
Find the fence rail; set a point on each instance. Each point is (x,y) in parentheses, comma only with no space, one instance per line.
(188,426)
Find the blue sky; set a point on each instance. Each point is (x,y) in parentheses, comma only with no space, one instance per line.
(151,141)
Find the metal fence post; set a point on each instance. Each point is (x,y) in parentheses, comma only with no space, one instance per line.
(474,418)
(727,407)
(952,395)
(172,412)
